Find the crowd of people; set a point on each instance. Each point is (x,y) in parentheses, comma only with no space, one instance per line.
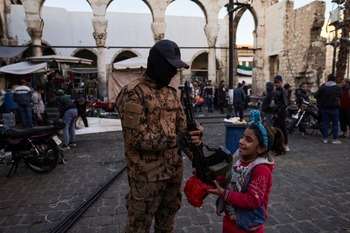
(332,100)
(29,107)
(215,97)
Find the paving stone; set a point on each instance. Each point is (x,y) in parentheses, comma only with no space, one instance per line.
(325,225)
(101,221)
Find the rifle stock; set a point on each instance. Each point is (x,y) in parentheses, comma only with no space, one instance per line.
(197,151)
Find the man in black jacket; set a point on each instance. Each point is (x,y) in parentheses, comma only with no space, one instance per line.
(301,93)
(268,104)
(239,98)
(328,100)
(281,103)
(222,96)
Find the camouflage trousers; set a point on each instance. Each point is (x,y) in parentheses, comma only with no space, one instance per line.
(147,200)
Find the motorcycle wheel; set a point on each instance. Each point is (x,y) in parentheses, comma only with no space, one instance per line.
(292,124)
(47,158)
(288,121)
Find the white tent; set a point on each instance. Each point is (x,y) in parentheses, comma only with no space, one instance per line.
(131,63)
(59,59)
(24,67)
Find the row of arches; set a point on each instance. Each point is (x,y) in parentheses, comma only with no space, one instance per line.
(210,9)
(198,64)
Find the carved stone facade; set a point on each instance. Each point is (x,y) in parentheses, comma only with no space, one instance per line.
(286,41)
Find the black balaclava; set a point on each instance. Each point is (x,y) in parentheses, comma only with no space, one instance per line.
(159,69)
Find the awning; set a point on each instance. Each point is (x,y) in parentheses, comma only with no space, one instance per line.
(84,70)
(24,68)
(131,63)
(8,52)
(244,70)
(59,59)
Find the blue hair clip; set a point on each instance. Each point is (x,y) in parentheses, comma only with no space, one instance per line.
(256,120)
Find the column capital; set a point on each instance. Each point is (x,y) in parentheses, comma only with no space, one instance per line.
(100,33)
(158,30)
(100,38)
(211,31)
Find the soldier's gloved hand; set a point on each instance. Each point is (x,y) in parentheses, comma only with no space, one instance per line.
(194,137)
(187,139)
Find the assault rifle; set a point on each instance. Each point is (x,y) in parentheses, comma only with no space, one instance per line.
(198,161)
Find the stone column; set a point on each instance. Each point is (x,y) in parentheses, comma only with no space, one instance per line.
(100,23)
(36,32)
(211,31)
(34,23)
(158,30)
(100,35)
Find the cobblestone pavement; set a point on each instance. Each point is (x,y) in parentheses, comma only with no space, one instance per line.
(311,190)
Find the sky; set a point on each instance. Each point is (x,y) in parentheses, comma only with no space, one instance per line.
(178,7)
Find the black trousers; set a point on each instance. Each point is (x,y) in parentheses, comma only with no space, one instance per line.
(280,122)
(239,111)
(82,114)
(344,118)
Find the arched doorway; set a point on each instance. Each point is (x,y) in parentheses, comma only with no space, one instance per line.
(199,68)
(87,54)
(46,50)
(124,55)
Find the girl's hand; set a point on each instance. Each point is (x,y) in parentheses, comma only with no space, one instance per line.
(218,191)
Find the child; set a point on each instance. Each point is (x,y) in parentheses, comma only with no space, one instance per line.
(245,199)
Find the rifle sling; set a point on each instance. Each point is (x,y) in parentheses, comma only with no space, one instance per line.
(216,158)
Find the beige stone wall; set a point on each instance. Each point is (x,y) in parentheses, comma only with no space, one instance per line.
(304,52)
(291,45)
(274,29)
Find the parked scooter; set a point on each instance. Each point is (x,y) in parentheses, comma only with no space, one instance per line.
(38,147)
(97,108)
(308,118)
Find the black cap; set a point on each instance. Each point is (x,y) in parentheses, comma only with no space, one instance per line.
(171,52)
(278,78)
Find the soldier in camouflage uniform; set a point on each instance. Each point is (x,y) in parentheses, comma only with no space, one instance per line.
(152,118)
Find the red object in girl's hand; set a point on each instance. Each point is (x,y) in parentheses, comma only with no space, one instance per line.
(196,191)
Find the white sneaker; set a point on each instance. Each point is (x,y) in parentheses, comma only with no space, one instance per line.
(336,141)
(325,141)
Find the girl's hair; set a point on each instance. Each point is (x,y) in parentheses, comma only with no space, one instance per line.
(275,139)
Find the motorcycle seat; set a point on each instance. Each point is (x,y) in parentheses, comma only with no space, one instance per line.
(26,132)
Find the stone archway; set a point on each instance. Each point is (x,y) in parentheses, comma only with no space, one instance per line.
(123,55)
(199,67)
(236,20)
(46,50)
(88,54)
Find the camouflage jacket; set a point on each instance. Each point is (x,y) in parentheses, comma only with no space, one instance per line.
(151,119)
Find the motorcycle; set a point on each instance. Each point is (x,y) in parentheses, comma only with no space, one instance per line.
(308,118)
(291,110)
(38,147)
(101,109)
